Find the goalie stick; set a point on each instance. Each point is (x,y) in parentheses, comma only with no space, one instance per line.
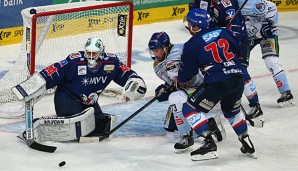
(29,131)
(100,138)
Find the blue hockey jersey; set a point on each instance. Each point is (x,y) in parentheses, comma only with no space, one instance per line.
(222,13)
(214,51)
(72,76)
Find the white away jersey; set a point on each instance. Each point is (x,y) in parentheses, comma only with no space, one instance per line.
(167,70)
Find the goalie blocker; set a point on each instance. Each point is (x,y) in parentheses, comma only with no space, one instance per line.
(72,127)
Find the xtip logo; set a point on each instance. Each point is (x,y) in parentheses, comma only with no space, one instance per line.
(142,15)
(177,11)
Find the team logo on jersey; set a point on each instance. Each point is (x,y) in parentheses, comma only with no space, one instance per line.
(230,14)
(63,63)
(226,3)
(82,70)
(75,55)
(211,35)
(94,80)
(90,100)
(108,68)
(170,65)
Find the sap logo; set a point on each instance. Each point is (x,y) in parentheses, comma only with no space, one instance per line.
(12,2)
(177,10)
(142,15)
(194,119)
(4,34)
(53,122)
(211,35)
(57,27)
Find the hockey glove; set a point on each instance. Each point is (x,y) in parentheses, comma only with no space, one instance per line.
(267,29)
(161,94)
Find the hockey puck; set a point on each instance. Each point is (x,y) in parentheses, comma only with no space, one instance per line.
(62,163)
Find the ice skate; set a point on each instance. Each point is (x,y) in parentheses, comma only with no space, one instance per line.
(256,115)
(207,151)
(286,99)
(185,143)
(216,127)
(247,146)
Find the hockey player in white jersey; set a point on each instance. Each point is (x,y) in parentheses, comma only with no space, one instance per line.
(261,18)
(166,58)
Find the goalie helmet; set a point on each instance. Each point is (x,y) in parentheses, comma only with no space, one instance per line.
(159,40)
(197,17)
(94,50)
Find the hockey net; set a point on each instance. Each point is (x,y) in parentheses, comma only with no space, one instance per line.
(53,32)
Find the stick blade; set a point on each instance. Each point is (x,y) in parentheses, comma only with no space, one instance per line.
(40,147)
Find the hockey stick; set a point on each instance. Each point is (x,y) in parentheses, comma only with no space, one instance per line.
(29,131)
(237,13)
(100,138)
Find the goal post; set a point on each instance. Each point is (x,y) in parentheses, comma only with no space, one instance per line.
(53,32)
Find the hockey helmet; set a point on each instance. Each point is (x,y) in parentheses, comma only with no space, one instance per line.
(94,49)
(197,17)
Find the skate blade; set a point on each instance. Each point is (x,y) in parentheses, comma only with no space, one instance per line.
(259,121)
(252,155)
(287,103)
(207,156)
(180,151)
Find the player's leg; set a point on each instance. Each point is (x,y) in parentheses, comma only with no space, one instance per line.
(250,89)
(103,122)
(201,101)
(231,108)
(270,52)
(176,100)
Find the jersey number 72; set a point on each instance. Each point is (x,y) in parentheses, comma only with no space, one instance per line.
(224,45)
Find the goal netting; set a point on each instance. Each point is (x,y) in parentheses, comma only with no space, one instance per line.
(53,32)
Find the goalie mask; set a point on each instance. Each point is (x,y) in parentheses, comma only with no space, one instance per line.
(159,45)
(196,17)
(94,50)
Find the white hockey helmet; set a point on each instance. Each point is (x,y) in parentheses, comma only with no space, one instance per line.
(94,49)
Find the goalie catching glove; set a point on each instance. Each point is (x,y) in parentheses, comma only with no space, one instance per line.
(134,88)
(32,88)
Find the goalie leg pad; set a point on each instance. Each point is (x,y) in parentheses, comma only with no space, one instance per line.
(103,125)
(64,128)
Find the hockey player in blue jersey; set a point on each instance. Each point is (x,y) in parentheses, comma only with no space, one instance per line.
(166,63)
(81,78)
(261,18)
(222,12)
(215,52)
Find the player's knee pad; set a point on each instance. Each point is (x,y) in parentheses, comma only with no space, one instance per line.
(270,47)
(238,123)
(273,65)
